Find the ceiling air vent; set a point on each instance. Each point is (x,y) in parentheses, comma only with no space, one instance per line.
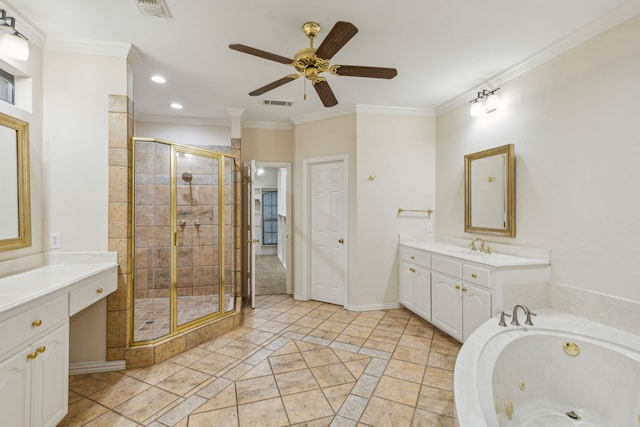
(280,103)
(153,8)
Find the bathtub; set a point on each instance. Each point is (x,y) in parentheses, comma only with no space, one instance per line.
(563,371)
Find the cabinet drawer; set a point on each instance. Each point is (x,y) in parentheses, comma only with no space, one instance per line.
(83,297)
(415,256)
(478,275)
(26,325)
(446,266)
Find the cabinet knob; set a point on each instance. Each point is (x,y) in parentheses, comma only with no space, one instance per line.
(474,275)
(99,290)
(457,286)
(36,323)
(464,289)
(41,349)
(413,257)
(412,270)
(32,356)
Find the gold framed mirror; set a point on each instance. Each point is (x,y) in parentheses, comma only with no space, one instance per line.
(15,215)
(489,191)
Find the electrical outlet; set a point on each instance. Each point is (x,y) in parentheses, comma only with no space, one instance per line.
(54,241)
(429,227)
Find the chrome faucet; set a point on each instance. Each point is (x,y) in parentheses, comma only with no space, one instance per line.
(473,244)
(529,313)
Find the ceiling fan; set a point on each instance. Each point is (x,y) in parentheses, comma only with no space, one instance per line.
(312,62)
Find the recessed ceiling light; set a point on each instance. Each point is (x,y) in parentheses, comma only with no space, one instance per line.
(176,105)
(158,79)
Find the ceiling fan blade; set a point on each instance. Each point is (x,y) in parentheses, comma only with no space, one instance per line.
(358,71)
(260,53)
(273,85)
(326,94)
(339,35)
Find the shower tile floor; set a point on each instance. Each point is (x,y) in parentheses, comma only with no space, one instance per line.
(302,363)
(151,316)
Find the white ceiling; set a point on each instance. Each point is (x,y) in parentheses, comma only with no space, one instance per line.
(441,48)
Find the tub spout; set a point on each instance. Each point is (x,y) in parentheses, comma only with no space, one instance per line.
(527,312)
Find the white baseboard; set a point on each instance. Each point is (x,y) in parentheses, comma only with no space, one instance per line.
(93,367)
(370,307)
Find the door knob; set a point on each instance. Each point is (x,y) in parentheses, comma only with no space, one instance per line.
(341,241)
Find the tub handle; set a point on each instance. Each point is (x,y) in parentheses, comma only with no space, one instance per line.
(502,321)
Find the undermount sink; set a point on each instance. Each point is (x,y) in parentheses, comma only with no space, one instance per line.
(468,252)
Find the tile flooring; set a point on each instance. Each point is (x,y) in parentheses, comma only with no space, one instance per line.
(292,363)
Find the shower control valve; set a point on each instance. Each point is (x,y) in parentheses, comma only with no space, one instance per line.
(196,223)
(182,223)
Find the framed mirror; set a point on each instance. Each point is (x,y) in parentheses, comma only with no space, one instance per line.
(489,191)
(15,213)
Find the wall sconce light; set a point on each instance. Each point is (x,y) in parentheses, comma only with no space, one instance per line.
(13,43)
(490,104)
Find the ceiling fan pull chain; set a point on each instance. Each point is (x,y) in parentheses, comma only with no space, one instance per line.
(305,89)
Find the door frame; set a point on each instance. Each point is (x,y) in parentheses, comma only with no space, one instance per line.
(306,222)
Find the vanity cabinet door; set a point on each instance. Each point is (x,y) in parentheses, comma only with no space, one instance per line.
(50,376)
(477,308)
(407,271)
(15,388)
(34,381)
(422,292)
(446,310)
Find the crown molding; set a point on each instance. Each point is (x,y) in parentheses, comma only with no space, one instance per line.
(395,111)
(325,114)
(88,47)
(192,121)
(620,14)
(364,109)
(267,125)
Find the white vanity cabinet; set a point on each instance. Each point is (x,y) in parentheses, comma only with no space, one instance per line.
(459,306)
(415,282)
(457,290)
(34,337)
(34,373)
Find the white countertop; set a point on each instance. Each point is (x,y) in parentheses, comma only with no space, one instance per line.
(57,274)
(493,259)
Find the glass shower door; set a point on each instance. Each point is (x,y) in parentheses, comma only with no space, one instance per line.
(198,276)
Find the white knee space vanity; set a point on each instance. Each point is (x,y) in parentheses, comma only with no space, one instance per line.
(457,289)
(38,294)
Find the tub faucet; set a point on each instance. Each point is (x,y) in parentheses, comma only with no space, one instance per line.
(529,313)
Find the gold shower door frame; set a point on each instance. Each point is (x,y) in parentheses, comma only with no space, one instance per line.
(176,328)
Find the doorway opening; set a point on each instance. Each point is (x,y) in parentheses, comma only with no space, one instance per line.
(269,224)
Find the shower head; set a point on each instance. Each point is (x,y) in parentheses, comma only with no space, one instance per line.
(187,177)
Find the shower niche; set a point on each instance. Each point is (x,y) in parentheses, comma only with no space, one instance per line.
(183,245)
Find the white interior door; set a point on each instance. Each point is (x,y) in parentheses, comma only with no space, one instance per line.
(328,264)
(252,240)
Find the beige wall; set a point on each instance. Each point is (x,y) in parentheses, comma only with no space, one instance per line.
(187,134)
(400,152)
(76,161)
(574,123)
(267,145)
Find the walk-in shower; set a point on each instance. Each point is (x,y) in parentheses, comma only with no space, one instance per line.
(183,245)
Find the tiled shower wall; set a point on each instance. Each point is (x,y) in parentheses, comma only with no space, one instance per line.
(121,125)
